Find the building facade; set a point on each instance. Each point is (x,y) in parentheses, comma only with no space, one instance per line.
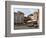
(18,17)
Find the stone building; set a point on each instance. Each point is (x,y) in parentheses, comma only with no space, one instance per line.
(34,18)
(19,17)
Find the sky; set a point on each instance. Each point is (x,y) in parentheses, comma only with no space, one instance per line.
(26,11)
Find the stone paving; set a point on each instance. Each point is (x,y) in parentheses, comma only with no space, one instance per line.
(25,26)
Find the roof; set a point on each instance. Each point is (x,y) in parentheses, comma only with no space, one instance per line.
(19,12)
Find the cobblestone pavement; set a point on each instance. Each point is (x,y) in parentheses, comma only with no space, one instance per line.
(27,26)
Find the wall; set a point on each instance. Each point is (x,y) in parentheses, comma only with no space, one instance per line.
(18,18)
(2,19)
